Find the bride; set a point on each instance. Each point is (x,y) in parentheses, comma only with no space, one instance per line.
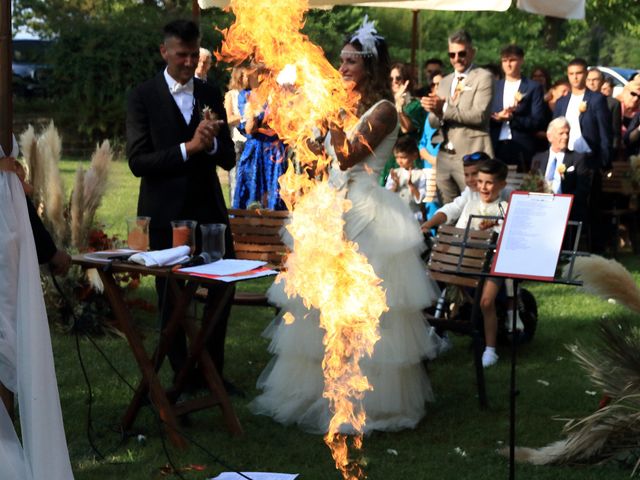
(26,358)
(388,235)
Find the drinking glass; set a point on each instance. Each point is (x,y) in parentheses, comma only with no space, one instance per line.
(213,239)
(184,233)
(138,233)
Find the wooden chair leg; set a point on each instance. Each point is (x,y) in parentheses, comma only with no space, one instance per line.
(8,399)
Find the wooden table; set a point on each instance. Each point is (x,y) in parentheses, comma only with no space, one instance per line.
(165,401)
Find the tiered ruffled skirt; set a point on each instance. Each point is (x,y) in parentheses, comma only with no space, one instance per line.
(292,383)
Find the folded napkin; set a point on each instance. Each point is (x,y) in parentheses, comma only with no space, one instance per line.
(162,258)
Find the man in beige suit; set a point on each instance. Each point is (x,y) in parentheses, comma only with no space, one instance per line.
(460,110)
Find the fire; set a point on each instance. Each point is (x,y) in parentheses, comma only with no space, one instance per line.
(304,94)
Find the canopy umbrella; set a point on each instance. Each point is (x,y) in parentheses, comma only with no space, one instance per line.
(573,9)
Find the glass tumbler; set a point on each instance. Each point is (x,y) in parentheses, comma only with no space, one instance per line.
(138,233)
(213,239)
(184,233)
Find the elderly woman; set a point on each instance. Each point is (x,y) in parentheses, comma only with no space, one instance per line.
(630,103)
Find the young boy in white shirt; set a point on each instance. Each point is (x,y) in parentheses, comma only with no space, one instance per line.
(486,200)
(451,211)
(409,182)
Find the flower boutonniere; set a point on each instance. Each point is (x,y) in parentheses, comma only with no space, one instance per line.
(517,98)
(561,169)
(582,107)
(208,114)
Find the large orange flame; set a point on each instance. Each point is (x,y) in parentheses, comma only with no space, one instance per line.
(325,270)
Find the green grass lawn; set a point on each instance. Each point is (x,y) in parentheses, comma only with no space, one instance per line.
(453,421)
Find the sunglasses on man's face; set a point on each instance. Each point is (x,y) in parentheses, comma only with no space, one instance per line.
(634,94)
(460,54)
(395,79)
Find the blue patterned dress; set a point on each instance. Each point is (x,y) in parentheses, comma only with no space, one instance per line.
(262,162)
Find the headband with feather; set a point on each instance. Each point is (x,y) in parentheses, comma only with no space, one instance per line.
(367,35)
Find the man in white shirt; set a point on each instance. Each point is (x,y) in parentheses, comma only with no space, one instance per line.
(591,134)
(177,135)
(588,116)
(517,111)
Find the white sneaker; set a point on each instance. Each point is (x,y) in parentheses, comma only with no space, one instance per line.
(489,358)
(508,323)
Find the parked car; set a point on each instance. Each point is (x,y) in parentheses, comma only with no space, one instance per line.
(31,73)
(620,77)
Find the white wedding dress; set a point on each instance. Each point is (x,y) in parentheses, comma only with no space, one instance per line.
(389,236)
(26,357)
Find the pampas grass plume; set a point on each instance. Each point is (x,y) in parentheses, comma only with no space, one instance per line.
(78,234)
(607,278)
(35,174)
(49,149)
(95,182)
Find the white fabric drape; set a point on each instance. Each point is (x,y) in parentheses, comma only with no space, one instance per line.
(572,9)
(26,357)
(499,5)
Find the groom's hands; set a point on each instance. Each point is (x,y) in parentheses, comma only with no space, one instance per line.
(202,140)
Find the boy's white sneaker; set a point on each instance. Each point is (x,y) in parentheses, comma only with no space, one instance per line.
(489,358)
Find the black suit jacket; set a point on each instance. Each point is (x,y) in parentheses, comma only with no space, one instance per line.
(576,181)
(632,148)
(528,116)
(170,188)
(595,124)
(45,247)
(616,124)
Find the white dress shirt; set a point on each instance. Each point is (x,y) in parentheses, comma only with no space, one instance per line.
(556,183)
(183,96)
(577,143)
(508,100)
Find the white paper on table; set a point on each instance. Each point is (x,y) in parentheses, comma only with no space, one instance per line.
(532,234)
(254,274)
(256,476)
(226,266)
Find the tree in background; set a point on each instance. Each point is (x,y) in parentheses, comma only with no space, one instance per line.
(105,47)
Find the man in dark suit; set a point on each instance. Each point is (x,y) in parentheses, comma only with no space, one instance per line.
(517,111)
(174,145)
(595,80)
(588,116)
(591,134)
(566,171)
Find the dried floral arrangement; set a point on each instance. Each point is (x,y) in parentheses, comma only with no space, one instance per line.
(612,432)
(72,224)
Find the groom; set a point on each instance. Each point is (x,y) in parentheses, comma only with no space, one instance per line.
(174,147)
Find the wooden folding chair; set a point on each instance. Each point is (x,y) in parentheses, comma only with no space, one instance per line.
(622,191)
(514,178)
(456,262)
(256,236)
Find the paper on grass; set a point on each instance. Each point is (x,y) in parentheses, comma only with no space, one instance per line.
(256,476)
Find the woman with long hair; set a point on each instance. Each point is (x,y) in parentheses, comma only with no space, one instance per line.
(390,238)
(237,83)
